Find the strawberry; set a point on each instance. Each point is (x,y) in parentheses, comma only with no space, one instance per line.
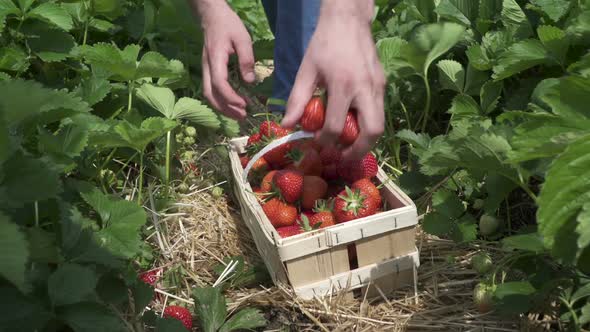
(244,160)
(277,157)
(350,131)
(330,172)
(313,115)
(353,170)
(323,215)
(254,139)
(150,277)
(289,184)
(330,155)
(268,128)
(367,187)
(314,188)
(287,231)
(267,181)
(350,205)
(307,213)
(280,213)
(306,160)
(260,165)
(180,313)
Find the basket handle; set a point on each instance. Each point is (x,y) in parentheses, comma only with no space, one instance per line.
(285,139)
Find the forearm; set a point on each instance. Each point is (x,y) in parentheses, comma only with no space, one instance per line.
(355,9)
(205,9)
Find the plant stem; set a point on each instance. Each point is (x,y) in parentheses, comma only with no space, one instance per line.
(427,105)
(168,135)
(406,114)
(573,312)
(130,97)
(36,213)
(140,177)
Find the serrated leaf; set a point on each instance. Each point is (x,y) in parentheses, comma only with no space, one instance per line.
(25,4)
(581,293)
(465,230)
(248,318)
(42,246)
(583,228)
(433,41)
(13,58)
(414,182)
(555,9)
(514,18)
(555,41)
(565,191)
(109,8)
(459,11)
(100,25)
(478,58)
(489,9)
(54,14)
(14,254)
(418,140)
(436,223)
(498,187)
(93,88)
(153,64)
(71,283)
(143,294)
(69,141)
(7,7)
(161,99)
(451,75)
(447,203)
(464,106)
(91,317)
(196,112)
(390,55)
(121,222)
(210,308)
(528,242)
(51,45)
(490,95)
(26,173)
(519,57)
(474,80)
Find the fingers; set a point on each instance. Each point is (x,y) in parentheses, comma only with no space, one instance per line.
(371,119)
(243,47)
(337,106)
(301,92)
(207,90)
(228,98)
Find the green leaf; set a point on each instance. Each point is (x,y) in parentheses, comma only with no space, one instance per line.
(527,242)
(555,41)
(210,308)
(248,318)
(474,80)
(121,223)
(459,11)
(161,99)
(490,95)
(4,77)
(153,64)
(478,58)
(50,45)
(520,56)
(438,224)
(465,230)
(68,142)
(585,316)
(489,9)
(418,140)
(514,297)
(54,14)
(125,134)
(565,191)
(554,9)
(14,254)
(447,203)
(581,294)
(169,325)
(143,294)
(583,228)
(26,173)
(91,317)
(464,106)
(451,75)
(42,246)
(112,289)
(414,182)
(20,312)
(498,187)
(515,20)
(109,8)
(25,4)
(7,7)
(71,283)
(434,40)
(13,59)
(390,55)
(93,88)
(196,112)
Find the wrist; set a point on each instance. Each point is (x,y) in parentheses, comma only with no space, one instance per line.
(358,10)
(207,9)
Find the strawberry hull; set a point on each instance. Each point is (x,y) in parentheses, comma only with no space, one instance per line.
(317,262)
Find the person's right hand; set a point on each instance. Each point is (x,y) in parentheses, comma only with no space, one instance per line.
(225,34)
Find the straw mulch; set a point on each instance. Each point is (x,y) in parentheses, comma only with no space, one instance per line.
(205,230)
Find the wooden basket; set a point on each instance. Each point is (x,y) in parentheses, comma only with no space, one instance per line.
(316,263)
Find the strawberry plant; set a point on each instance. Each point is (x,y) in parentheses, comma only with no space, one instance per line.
(489,99)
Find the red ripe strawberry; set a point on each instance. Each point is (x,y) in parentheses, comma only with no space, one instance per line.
(268,128)
(314,188)
(180,313)
(353,170)
(330,155)
(350,131)
(277,157)
(330,172)
(289,183)
(254,139)
(280,213)
(267,181)
(323,215)
(150,277)
(287,231)
(350,205)
(307,161)
(307,213)
(367,187)
(260,165)
(244,160)
(313,115)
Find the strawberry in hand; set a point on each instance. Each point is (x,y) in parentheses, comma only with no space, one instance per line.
(313,115)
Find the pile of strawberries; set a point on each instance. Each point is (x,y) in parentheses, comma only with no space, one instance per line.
(303,186)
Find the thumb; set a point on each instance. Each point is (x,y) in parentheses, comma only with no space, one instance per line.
(302,91)
(243,47)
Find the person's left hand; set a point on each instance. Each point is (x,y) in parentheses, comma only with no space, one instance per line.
(342,58)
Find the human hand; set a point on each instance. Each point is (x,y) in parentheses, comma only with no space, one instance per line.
(225,34)
(342,58)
